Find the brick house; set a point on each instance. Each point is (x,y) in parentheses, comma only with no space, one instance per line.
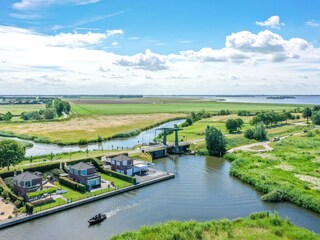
(122,164)
(85,174)
(26,182)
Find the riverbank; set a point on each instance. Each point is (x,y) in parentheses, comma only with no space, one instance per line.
(262,226)
(159,177)
(288,173)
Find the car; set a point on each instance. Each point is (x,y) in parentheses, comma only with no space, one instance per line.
(305,131)
(276,139)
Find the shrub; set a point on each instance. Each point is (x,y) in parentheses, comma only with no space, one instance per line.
(83,141)
(29,208)
(275,196)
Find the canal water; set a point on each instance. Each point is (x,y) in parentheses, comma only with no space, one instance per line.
(118,143)
(202,190)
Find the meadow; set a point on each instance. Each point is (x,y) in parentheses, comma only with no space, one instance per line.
(196,131)
(257,226)
(173,107)
(291,172)
(17,109)
(87,128)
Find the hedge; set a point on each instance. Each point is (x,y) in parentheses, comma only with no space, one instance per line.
(29,208)
(98,164)
(13,197)
(42,192)
(74,185)
(36,168)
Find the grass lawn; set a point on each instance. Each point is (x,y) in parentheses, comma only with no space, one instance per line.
(17,109)
(55,203)
(256,226)
(186,107)
(289,173)
(85,127)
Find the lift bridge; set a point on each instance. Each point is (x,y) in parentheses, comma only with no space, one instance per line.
(176,148)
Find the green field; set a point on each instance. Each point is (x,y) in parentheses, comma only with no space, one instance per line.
(114,109)
(17,109)
(197,131)
(256,226)
(289,173)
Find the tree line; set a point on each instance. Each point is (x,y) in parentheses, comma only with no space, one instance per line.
(53,109)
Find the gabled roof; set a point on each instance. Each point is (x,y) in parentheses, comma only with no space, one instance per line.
(82,166)
(121,158)
(26,176)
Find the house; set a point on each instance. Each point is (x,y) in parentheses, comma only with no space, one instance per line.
(122,164)
(26,182)
(85,174)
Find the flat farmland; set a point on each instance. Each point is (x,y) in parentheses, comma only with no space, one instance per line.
(187,107)
(17,109)
(85,127)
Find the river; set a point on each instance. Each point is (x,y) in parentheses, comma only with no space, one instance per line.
(202,190)
(118,143)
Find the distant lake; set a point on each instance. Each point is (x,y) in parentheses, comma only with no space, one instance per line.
(308,99)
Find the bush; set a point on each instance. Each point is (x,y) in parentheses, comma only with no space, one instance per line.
(29,208)
(259,132)
(72,184)
(83,141)
(274,196)
(18,203)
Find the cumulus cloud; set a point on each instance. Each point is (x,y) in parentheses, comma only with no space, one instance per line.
(148,61)
(267,42)
(272,22)
(80,39)
(33,4)
(246,61)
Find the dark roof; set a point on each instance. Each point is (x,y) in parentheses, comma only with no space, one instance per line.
(121,158)
(26,176)
(82,166)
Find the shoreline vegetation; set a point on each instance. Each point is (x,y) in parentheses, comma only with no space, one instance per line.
(262,226)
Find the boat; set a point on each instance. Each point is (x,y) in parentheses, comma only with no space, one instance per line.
(97,218)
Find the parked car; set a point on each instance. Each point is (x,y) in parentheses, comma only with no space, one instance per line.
(276,139)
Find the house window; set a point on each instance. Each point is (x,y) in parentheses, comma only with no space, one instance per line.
(76,172)
(124,163)
(84,172)
(27,183)
(118,163)
(71,170)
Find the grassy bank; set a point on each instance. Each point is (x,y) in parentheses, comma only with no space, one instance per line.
(84,128)
(256,226)
(289,173)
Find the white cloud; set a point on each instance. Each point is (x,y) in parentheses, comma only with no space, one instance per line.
(248,63)
(79,39)
(272,22)
(313,23)
(33,4)
(148,61)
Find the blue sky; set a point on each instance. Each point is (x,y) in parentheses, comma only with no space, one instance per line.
(160,33)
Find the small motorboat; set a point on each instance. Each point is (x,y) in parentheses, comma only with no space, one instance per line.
(97,218)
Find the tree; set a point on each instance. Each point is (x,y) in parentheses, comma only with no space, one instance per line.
(49,113)
(215,141)
(316,108)
(307,113)
(234,125)
(11,152)
(258,132)
(316,118)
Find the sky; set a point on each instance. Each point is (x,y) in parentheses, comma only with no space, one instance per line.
(159,47)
